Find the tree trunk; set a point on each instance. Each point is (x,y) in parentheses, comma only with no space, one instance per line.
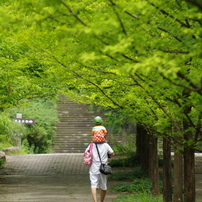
(154,165)
(142,147)
(167,175)
(178,176)
(189,175)
(189,158)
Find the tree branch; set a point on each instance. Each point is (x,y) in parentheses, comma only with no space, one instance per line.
(73,14)
(158,103)
(194,89)
(118,17)
(174,51)
(196,3)
(182,76)
(164,30)
(88,81)
(169,15)
(132,15)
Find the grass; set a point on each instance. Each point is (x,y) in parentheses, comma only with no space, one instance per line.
(139,197)
(130,175)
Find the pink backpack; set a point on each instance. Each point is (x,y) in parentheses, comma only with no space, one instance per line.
(88,155)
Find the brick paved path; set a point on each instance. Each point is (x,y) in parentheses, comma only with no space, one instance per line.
(56,178)
(46,164)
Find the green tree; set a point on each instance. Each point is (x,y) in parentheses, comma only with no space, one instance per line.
(10,131)
(23,74)
(40,135)
(140,56)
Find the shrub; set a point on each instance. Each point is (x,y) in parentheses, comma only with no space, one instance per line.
(10,131)
(139,197)
(126,162)
(40,135)
(124,149)
(2,162)
(136,174)
(137,186)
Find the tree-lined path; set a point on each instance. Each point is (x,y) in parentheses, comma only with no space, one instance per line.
(115,55)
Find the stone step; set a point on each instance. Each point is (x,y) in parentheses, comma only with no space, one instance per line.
(73,132)
(75,124)
(76,118)
(72,150)
(73,106)
(75,114)
(71,144)
(66,140)
(69,140)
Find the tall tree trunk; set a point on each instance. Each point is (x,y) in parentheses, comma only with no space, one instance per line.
(189,156)
(167,175)
(142,147)
(189,175)
(178,162)
(154,165)
(178,175)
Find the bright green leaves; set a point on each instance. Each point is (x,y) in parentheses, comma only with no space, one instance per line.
(89,56)
(120,47)
(139,56)
(51,2)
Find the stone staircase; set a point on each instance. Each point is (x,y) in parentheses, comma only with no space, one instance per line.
(73,132)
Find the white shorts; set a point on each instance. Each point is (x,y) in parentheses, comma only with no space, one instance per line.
(98,181)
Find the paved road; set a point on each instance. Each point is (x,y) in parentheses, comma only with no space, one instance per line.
(56,178)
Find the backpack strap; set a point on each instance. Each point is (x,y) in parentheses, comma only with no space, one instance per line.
(98,153)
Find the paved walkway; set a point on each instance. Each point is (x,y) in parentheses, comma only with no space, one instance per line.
(46,164)
(56,178)
(46,177)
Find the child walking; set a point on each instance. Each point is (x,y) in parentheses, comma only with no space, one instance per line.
(99,132)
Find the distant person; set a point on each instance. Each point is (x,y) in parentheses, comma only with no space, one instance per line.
(98,131)
(97,179)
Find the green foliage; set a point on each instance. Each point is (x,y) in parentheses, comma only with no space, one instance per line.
(137,186)
(5,142)
(139,197)
(40,135)
(126,149)
(139,64)
(118,122)
(10,131)
(135,63)
(23,75)
(26,148)
(131,161)
(2,162)
(136,174)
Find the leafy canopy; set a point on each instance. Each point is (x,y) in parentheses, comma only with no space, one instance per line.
(140,56)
